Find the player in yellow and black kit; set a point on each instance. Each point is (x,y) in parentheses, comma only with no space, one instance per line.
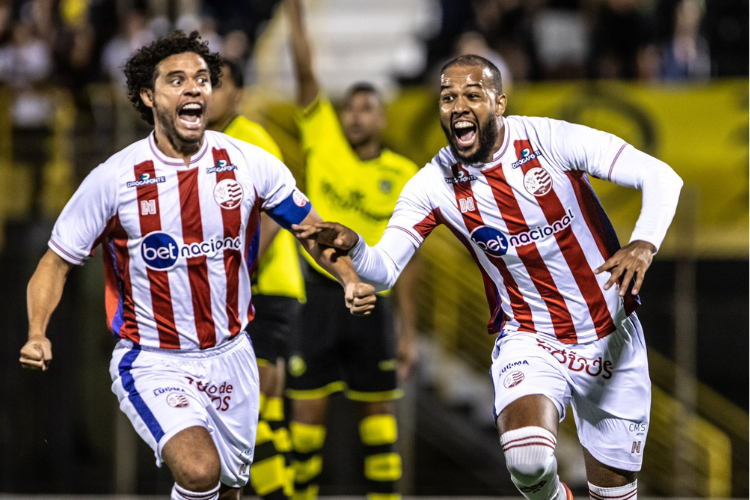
(278,289)
(353,180)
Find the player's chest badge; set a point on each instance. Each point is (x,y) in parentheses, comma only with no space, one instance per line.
(537,181)
(228,194)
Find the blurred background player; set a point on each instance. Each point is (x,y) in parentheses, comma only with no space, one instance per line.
(353,178)
(277,291)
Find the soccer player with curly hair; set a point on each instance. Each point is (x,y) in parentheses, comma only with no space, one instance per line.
(178,218)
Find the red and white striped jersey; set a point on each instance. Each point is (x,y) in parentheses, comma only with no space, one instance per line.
(534,226)
(179,242)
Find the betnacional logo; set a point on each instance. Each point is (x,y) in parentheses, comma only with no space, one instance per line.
(490,240)
(513,379)
(161,252)
(537,181)
(228,194)
(496,244)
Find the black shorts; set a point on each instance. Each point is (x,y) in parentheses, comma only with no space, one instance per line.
(335,351)
(271,330)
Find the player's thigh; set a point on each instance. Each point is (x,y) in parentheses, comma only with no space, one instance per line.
(369,358)
(530,389)
(605,475)
(272,328)
(156,396)
(314,367)
(193,459)
(612,398)
(231,388)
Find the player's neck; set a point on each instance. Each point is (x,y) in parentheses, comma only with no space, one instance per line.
(498,141)
(368,150)
(172,147)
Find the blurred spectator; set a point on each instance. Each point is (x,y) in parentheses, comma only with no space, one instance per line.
(686,55)
(135,34)
(623,42)
(205,25)
(727,33)
(26,60)
(472,42)
(562,39)
(507,25)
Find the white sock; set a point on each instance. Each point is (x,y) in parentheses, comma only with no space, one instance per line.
(180,493)
(627,492)
(530,457)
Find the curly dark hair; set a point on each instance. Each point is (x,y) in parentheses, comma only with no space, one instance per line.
(140,69)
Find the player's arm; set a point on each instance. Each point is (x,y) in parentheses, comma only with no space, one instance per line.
(608,157)
(661,187)
(360,297)
(268,231)
(307,82)
(43,295)
(380,265)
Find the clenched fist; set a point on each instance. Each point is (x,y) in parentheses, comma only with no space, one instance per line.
(36,354)
(360,298)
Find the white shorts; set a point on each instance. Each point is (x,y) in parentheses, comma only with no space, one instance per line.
(606,381)
(163,391)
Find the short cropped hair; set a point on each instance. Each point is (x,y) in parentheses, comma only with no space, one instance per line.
(140,69)
(235,72)
(475,60)
(366,88)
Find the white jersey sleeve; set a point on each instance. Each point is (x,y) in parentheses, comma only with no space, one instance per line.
(606,156)
(412,221)
(282,201)
(85,216)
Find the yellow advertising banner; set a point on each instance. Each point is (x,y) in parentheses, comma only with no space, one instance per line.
(699,130)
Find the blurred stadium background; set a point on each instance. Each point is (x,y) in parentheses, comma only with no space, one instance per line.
(669,76)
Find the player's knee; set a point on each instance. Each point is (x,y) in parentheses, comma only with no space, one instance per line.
(529,454)
(200,473)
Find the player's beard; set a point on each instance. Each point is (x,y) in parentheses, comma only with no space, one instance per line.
(179,143)
(488,132)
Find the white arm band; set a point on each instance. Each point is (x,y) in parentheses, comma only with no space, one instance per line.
(382,264)
(661,189)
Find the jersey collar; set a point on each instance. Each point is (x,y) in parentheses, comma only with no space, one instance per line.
(175,162)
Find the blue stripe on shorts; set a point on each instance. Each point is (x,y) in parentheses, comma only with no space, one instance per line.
(126,364)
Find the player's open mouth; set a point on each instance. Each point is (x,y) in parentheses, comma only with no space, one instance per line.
(465,133)
(191,115)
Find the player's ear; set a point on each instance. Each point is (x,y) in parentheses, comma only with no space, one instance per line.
(500,102)
(147,96)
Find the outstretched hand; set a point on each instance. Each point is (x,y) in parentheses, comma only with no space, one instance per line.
(360,298)
(631,261)
(331,234)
